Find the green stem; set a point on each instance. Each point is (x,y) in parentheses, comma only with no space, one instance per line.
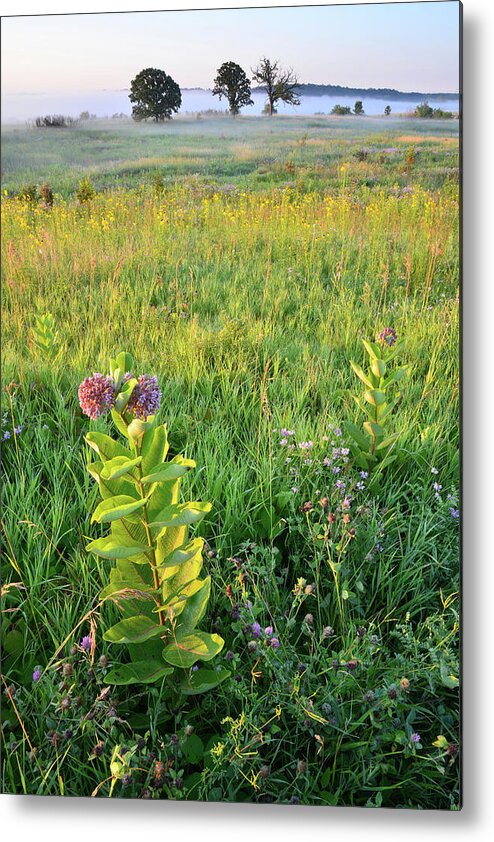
(145,523)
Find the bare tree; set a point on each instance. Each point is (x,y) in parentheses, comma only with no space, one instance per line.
(280,85)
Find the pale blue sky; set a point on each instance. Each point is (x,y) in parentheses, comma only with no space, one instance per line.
(408,46)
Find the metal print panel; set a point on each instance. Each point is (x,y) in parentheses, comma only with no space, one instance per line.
(230,405)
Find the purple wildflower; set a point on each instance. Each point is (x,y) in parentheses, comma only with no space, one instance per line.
(327,462)
(306,445)
(387,336)
(96,395)
(364,474)
(268,631)
(283,442)
(340,484)
(146,397)
(6,434)
(415,738)
(346,503)
(337,431)
(336,470)
(285,433)
(36,675)
(195,668)
(454,513)
(18,430)
(437,487)
(256,630)
(274,642)
(86,643)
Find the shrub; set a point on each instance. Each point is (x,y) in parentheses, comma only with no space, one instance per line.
(55,121)
(28,193)
(341,110)
(85,192)
(46,195)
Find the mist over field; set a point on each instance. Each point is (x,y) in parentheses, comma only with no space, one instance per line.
(22,107)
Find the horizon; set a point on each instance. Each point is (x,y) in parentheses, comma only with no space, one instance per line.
(406,47)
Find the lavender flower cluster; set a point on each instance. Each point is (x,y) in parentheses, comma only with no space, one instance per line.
(146,397)
(97,395)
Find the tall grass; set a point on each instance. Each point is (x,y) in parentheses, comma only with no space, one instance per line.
(246,283)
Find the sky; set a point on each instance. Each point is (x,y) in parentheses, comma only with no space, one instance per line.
(407,46)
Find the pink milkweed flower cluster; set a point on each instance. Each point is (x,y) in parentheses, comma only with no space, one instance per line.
(387,336)
(97,395)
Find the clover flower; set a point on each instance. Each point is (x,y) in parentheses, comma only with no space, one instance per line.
(146,397)
(387,336)
(454,513)
(96,395)
(274,642)
(86,643)
(36,675)
(256,630)
(415,738)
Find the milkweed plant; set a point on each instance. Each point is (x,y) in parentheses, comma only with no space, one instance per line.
(155,579)
(373,443)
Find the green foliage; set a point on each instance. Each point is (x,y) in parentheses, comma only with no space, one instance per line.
(387,110)
(154,95)
(156,578)
(300,272)
(280,85)
(85,191)
(28,193)
(358,108)
(232,83)
(341,110)
(375,444)
(45,337)
(426,111)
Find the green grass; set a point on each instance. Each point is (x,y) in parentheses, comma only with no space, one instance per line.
(245,277)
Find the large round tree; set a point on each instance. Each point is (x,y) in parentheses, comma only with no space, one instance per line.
(154,95)
(233,84)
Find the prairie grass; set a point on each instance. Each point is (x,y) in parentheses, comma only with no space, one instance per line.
(246,284)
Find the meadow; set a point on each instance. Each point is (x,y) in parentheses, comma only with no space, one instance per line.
(242,262)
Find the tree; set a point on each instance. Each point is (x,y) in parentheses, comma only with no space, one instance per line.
(359,108)
(387,110)
(341,110)
(423,110)
(233,84)
(280,85)
(155,95)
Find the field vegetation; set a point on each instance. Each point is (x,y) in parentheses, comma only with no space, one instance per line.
(243,262)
